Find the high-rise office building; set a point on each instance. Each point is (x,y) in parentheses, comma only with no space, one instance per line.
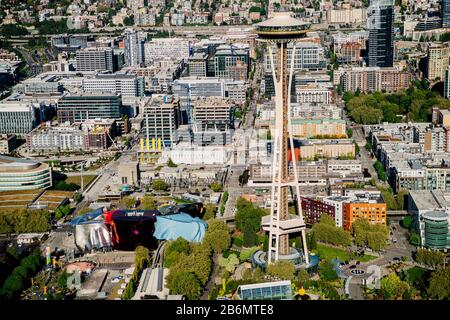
(17,117)
(134,50)
(445,13)
(81,107)
(196,65)
(447,83)
(231,62)
(160,49)
(95,59)
(161,119)
(381,33)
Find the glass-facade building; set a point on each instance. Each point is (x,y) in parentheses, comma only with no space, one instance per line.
(23,174)
(445,13)
(279,290)
(434,230)
(380,23)
(78,108)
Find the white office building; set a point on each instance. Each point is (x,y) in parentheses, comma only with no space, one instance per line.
(121,84)
(161,48)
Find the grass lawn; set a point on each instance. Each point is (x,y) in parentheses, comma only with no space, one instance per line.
(329,253)
(365,258)
(87,179)
(416,274)
(181,201)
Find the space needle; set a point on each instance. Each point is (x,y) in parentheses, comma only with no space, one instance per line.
(278,32)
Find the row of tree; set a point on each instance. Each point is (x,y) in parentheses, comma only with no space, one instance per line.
(380,170)
(326,231)
(24,221)
(430,258)
(248,221)
(190,263)
(393,287)
(366,234)
(141,261)
(19,278)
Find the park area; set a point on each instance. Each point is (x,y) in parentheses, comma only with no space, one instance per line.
(330,253)
(87,179)
(71,183)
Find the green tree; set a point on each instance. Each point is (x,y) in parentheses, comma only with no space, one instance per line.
(349,133)
(440,284)
(216,187)
(160,185)
(172,258)
(171,164)
(393,287)
(185,283)
(62,279)
(179,245)
(402,195)
(282,269)
(414,239)
(200,262)
(327,272)
(430,258)
(246,212)
(230,262)
(407,222)
(8,30)
(210,212)
(374,236)
(312,243)
(129,202)
(141,257)
(13,252)
(128,21)
(148,202)
(62,211)
(326,231)
(78,197)
(250,237)
(302,277)
(225,196)
(217,236)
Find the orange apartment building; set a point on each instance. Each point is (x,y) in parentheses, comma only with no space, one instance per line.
(372,210)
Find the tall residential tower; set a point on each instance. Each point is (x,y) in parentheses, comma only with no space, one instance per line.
(380,23)
(134,50)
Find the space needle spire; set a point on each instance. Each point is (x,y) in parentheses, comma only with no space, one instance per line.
(278,32)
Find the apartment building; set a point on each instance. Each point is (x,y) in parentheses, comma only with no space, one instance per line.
(371,207)
(437,61)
